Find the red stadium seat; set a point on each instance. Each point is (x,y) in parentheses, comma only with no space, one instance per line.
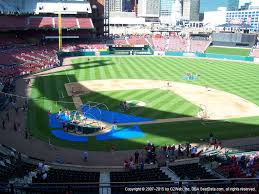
(40,22)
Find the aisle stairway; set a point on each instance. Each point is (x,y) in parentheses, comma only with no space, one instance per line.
(105,183)
(170,173)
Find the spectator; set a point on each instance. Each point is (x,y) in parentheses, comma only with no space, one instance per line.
(215,144)
(153,148)
(26,103)
(179,150)
(40,166)
(2,163)
(24,107)
(136,154)
(188,149)
(3,124)
(126,165)
(45,168)
(112,148)
(142,165)
(85,156)
(7,116)
(219,144)
(15,126)
(173,150)
(33,174)
(19,127)
(193,152)
(26,134)
(131,158)
(44,176)
(211,137)
(19,157)
(16,109)
(242,161)
(164,149)
(233,159)
(132,165)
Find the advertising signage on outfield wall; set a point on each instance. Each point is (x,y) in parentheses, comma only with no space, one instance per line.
(139,45)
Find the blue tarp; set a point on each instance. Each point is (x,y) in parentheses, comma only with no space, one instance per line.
(55,122)
(124,133)
(109,116)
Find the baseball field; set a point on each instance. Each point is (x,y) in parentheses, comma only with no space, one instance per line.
(229,90)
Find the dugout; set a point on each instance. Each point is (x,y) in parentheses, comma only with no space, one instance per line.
(233,39)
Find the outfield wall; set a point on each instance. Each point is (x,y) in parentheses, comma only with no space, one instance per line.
(145,50)
(167,53)
(256,60)
(129,50)
(77,53)
(210,55)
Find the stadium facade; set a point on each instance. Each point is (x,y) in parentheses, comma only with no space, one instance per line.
(247,19)
(246,16)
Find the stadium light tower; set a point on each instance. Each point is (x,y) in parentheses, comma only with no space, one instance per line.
(106,18)
(59,31)
(60,27)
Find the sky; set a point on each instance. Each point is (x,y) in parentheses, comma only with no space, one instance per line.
(212,5)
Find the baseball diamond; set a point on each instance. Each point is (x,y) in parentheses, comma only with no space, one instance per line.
(226,95)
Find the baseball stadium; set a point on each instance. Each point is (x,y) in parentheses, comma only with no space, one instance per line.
(86,109)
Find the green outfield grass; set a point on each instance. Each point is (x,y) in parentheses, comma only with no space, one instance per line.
(228,51)
(234,77)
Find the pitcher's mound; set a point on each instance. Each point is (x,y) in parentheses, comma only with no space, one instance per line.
(135,103)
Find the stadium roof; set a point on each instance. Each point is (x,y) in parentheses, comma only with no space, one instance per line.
(45,6)
(35,22)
